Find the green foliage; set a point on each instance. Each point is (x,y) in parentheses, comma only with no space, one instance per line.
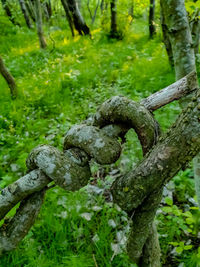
(61,86)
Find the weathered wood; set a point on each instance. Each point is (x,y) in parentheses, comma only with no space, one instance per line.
(104,149)
(177,25)
(16,229)
(32,182)
(175,91)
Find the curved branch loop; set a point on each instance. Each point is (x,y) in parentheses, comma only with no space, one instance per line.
(119,110)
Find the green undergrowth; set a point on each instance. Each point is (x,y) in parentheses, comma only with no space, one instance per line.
(62,86)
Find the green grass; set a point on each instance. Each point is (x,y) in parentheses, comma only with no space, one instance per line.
(58,88)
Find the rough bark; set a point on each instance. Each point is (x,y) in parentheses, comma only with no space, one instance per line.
(152,27)
(122,110)
(32,182)
(25,13)
(183,51)
(9,79)
(13,231)
(40,33)
(8,12)
(172,92)
(68,16)
(93,141)
(151,250)
(159,166)
(69,170)
(176,21)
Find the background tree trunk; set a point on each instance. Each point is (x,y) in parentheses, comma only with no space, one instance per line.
(38,13)
(78,19)
(25,13)
(8,12)
(195,30)
(177,23)
(113,12)
(166,40)
(152,27)
(9,79)
(68,15)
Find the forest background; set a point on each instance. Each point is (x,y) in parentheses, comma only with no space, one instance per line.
(62,85)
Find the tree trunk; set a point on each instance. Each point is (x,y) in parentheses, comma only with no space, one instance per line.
(166,40)
(25,13)
(78,19)
(195,30)
(38,12)
(176,21)
(183,51)
(68,15)
(113,25)
(31,10)
(8,12)
(9,79)
(152,28)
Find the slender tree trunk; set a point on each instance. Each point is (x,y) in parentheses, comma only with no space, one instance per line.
(176,21)
(25,13)
(166,40)
(9,79)
(183,51)
(113,12)
(152,27)
(8,12)
(195,30)
(38,12)
(31,10)
(68,15)
(49,9)
(78,19)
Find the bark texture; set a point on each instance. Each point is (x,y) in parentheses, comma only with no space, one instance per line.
(183,51)
(176,21)
(9,79)
(13,231)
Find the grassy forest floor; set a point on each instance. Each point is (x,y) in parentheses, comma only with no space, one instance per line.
(59,87)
